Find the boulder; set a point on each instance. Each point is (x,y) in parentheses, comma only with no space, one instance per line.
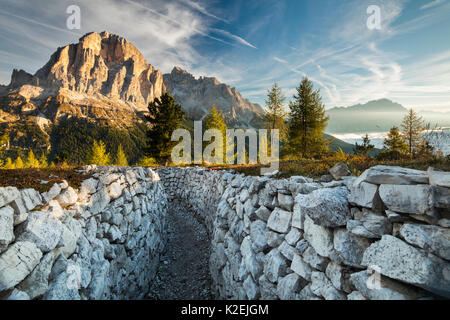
(263,213)
(392,175)
(441,197)
(412,199)
(370,225)
(398,260)
(314,260)
(275,266)
(7,195)
(279,220)
(31,198)
(366,195)
(339,276)
(285,201)
(350,247)
(251,289)
(289,285)
(327,207)
(257,234)
(322,286)
(17,262)
(293,236)
(356,295)
(20,211)
(52,193)
(439,178)
(6,227)
(433,239)
(67,197)
(382,287)
(301,268)
(320,238)
(340,170)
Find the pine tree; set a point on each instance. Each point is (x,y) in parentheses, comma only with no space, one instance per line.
(275,115)
(216,120)
(365,148)
(98,154)
(121,158)
(412,127)
(4,142)
(307,122)
(18,163)
(394,146)
(43,163)
(31,161)
(165,116)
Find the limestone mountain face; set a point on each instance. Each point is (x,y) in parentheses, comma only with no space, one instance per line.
(197,96)
(104,78)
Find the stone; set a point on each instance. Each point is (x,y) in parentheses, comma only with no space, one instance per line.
(398,260)
(320,238)
(298,217)
(98,284)
(18,295)
(356,295)
(99,201)
(67,197)
(115,190)
(285,201)
(52,193)
(31,198)
(293,236)
(350,247)
(301,268)
(288,286)
(441,197)
(339,276)
(249,209)
(263,213)
(65,284)
(7,195)
(438,178)
(322,286)
(393,175)
(251,289)
(71,232)
(301,246)
(327,207)
(20,211)
(275,266)
(382,288)
(268,289)
(88,187)
(244,195)
(249,258)
(273,239)
(54,208)
(287,251)
(370,225)
(339,170)
(17,262)
(314,260)
(279,220)
(415,199)
(366,195)
(36,284)
(307,294)
(433,239)
(41,228)
(6,227)
(258,237)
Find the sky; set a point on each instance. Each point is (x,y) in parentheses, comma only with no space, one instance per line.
(252,44)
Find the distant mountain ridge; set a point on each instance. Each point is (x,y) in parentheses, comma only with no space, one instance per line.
(381,105)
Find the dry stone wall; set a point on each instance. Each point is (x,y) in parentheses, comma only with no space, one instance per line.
(383,235)
(102,241)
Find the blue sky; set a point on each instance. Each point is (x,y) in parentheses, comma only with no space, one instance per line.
(252,44)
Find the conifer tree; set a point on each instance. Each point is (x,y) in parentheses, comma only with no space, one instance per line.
(412,127)
(18,163)
(98,154)
(216,120)
(394,146)
(275,115)
(43,163)
(121,158)
(307,122)
(165,116)
(8,164)
(31,161)
(365,148)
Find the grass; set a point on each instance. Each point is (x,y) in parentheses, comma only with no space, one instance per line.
(32,178)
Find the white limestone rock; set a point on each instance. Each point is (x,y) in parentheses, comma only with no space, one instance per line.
(31,198)
(327,207)
(393,175)
(17,262)
(301,268)
(366,195)
(398,260)
(285,201)
(7,195)
(52,193)
(275,266)
(6,227)
(320,238)
(339,170)
(433,239)
(288,286)
(412,199)
(41,228)
(439,178)
(322,286)
(350,247)
(279,220)
(68,197)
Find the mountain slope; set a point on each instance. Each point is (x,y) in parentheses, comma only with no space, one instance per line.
(197,96)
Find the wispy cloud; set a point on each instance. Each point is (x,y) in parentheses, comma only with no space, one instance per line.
(432,4)
(233,36)
(280,60)
(200,8)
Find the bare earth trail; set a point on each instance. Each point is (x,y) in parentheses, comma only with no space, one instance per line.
(184,269)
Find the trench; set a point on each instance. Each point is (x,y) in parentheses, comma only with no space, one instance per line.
(183,272)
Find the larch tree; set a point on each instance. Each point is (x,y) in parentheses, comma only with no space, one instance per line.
(275,116)
(98,154)
(307,122)
(412,131)
(121,158)
(394,145)
(216,120)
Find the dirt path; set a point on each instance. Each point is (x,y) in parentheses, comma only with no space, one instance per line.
(184,268)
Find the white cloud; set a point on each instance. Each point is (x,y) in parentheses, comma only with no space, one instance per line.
(280,60)
(233,36)
(432,4)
